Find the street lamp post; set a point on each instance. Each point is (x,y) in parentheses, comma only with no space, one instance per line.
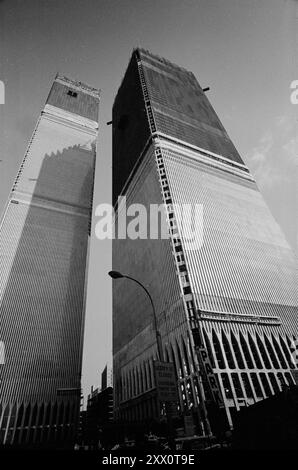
(118,275)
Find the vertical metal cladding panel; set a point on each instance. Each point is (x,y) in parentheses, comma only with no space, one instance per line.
(181,108)
(151,261)
(132,312)
(42,292)
(244,264)
(44,237)
(59,164)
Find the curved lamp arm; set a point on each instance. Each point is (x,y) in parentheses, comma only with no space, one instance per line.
(117,275)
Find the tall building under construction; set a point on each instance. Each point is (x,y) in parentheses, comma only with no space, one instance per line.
(226,309)
(44,238)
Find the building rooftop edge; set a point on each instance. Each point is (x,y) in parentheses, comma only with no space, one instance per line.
(83,86)
(161,59)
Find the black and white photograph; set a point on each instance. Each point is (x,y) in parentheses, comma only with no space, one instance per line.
(148,232)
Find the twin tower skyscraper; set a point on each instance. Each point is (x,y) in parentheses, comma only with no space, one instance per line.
(44,238)
(227,311)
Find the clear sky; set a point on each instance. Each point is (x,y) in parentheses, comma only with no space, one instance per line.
(242,49)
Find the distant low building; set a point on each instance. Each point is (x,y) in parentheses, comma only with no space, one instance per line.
(82,428)
(99,413)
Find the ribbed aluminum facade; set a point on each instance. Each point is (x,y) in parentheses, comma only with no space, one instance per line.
(242,279)
(238,288)
(134,344)
(44,238)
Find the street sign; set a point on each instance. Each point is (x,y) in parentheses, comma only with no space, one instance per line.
(165,381)
(212,379)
